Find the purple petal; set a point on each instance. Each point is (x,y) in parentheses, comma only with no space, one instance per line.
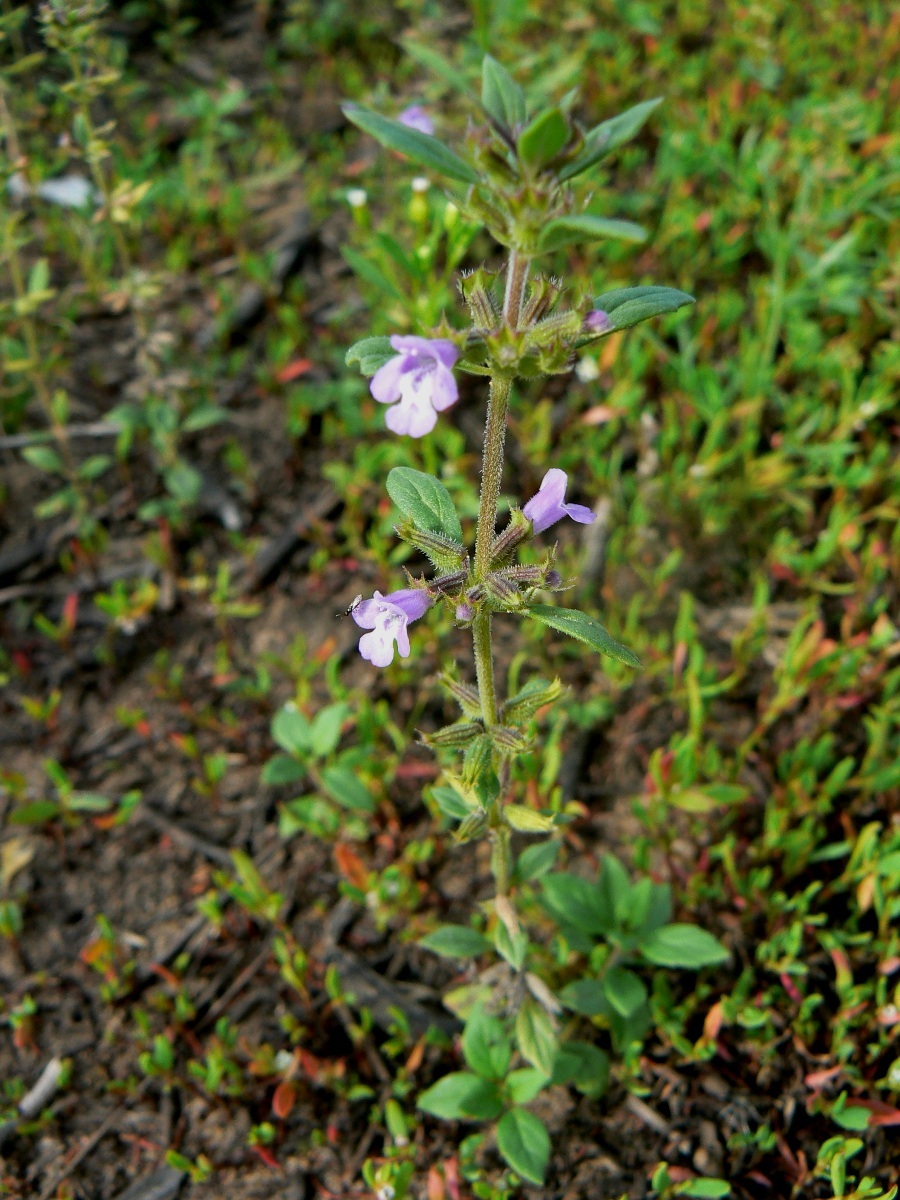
(413,416)
(414,602)
(444,351)
(385,383)
(377,648)
(444,391)
(543,511)
(366,613)
(554,484)
(580,513)
(597,321)
(402,642)
(415,117)
(409,343)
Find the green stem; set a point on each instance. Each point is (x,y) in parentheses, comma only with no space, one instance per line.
(491,478)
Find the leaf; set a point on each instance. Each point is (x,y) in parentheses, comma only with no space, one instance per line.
(624,990)
(584,628)
(629,306)
(535,1035)
(420,147)
(535,861)
(282,768)
(541,141)
(436,63)
(326,728)
(44,458)
(585,996)
(371,273)
(526,820)
(485,1045)
(88,802)
(682,945)
(451,803)
(703,1189)
(343,786)
(34,813)
(524,1142)
(425,501)
(461,1096)
(577,901)
(605,137)
(581,227)
(525,1084)
(371,353)
(501,96)
(583,1065)
(291,730)
(455,941)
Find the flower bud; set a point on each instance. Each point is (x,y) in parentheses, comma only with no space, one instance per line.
(359,207)
(597,322)
(418,205)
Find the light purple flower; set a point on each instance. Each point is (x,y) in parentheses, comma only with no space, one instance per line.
(548,506)
(387,617)
(415,117)
(597,321)
(420,378)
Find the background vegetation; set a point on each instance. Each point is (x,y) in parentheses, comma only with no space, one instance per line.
(221,844)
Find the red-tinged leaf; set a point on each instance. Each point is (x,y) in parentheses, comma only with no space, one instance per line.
(882,1114)
(435,1186)
(311,1066)
(283,1100)
(326,650)
(266,1156)
(889,966)
(713,1021)
(164,973)
(293,370)
(70,612)
(333,1134)
(600,414)
(22,661)
(143,727)
(451,1178)
(816,1080)
(414,1061)
(790,987)
(351,866)
(415,769)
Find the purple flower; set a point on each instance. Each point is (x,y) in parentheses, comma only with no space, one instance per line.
(548,506)
(419,377)
(597,321)
(387,617)
(415,117)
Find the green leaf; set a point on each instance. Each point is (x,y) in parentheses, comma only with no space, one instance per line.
(541,141)
(94,467)
(537,860)
(525,1084)
(282,768)
(183,482)
(616,887)
(88,802)
(581,227)
(629,306)
(455,941)
(343,786)
(326,729)
(605,137)
(681,945)
(501,96)
(485,1045)
(291,730)
(44,458)
(524,1142)
(624,990)
(512,947)
(425,501)
(202,417)
(703,1189)
(436,63)
(578,902)
(371,273)
(420,147)
(462,1096)
(371,353)
(451,803)
(585,996)
(535,1035)
(583,1065)
(526,820)
(584,628)
(34,813)
(310,813)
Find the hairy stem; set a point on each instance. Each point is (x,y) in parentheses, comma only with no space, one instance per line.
(491,477)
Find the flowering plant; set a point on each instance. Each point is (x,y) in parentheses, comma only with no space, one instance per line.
(515,176)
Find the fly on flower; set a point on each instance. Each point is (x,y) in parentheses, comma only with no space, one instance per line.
(351,607)
(388,617)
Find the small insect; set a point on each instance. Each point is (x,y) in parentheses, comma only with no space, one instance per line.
(353,604)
